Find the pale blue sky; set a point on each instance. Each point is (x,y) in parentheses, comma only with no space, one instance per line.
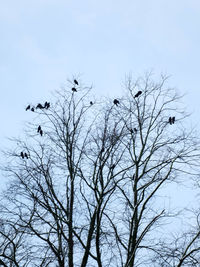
(45,41)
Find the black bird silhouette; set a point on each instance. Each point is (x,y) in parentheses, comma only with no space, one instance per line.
(138,93)
(48,105)
(91,103)
(131,131)
(41,132)
(39,129)
(112,167)
(32,109)
(102,150)
(22,155)
(39,106)
(173,120)
(45,104)
(25,155)
(170,120)
(75,81)
(74,89)
(135,129)
(28,107)
(116,102)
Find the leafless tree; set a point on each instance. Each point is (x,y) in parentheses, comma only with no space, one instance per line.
(88,193)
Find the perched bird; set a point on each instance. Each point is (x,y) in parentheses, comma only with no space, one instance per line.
(75,81)
(112,167)
(39,129)
(25,155)
(28,107)
(170,120)
(41,132)
(91,103)
(138,93)
(32,109)
(173,120)
(22,155)
(102,150)
(46,105)
(39,106)
(74,89)
(131,131)
(116,102)
(135,129)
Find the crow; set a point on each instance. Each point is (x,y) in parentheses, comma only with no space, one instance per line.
(170,120)
(74,89)
(116,102)
(48,105)
(28,107)
(32,109)
(39,106)
(41,132)
(102,150)
(39,129)
(25,154)
(22,155)
(173,120)
(138,93)
(113,166)
(91,103)
(75,81)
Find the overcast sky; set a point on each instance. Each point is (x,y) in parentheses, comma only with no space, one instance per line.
(44,42)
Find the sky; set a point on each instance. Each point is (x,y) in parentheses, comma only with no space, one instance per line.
(45,42)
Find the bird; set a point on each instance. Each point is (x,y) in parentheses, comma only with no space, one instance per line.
(74,89)
(25,155)
(41,132)
(39,129)
(102,150)
(46,105)
(22,155)
(170,120)
(112,167)
(138,93)
(39,106)
(75,81)
(28,107)
(91,103)
(116,102)
(135,129)
(32,109)
(173,120)
(131,131)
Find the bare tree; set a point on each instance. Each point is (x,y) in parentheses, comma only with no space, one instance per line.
(87,192)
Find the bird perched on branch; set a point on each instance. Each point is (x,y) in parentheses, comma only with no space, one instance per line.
(75,81)
(74,89)
(41,132)
(116,102)
(22,155)
(171,120)
(28,107)
(46,105)
(40,106)
(39,129)
(32,109)
(138,94)
(25,155)
(91,103)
